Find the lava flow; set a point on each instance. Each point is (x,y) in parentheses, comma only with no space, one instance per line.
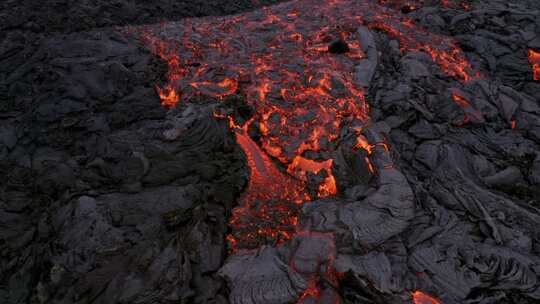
(534,60)
(284,61)
(422,298)
(304,95)
(407,6)
(271,198)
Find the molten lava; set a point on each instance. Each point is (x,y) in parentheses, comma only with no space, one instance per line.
(268,209)
(294,63)
(169,96)
(470,112)
(304,95)
(442,50)
(422,298)
(407,6)
(534,60)
(322,262)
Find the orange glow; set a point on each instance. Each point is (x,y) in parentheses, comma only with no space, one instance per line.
(304,97)
(311,291)
(361,142)
(278,59)
(534,60)
(300,166)
(168,95)
(461,101)
(442,50)
(422,298)
(370,165)
(469,111)
(276,218)
(220,89)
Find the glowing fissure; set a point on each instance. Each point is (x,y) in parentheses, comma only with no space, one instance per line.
(469,111)
(411,5)
(268,208)
(534,60)
(304,96)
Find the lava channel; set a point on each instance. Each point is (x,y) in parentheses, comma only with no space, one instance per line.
(534,60)
(305,97)
(422,298)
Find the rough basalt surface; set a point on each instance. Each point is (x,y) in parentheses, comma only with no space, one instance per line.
(108,197)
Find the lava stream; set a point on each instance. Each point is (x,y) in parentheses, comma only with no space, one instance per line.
(268,207)
(422,298)
(304,95)
(534,60)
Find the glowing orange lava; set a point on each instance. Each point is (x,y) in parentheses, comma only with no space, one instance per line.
(442,50)
(469,111)
(422,298)
(267,211)
(324,260)
(534,60)
(169,96)
(305,98)
(278,58)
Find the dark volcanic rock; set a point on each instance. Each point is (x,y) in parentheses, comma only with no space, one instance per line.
(109,197)
(70,16)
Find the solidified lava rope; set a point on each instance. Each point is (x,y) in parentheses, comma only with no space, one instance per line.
(304,96)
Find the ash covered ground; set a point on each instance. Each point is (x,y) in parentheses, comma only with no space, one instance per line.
(149,158)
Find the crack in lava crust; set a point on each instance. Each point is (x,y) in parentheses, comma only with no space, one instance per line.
(269,206)
(422,298)
(305,98)
(534,60)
